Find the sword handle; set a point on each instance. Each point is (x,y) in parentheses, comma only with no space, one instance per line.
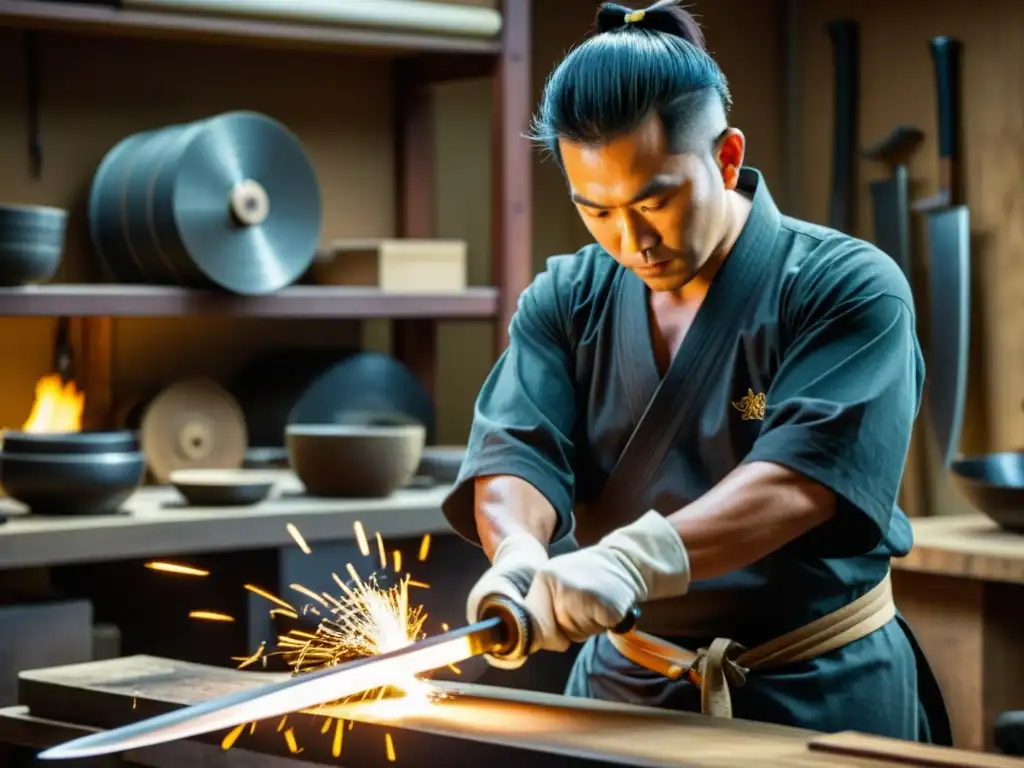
(518,626)
(947,53)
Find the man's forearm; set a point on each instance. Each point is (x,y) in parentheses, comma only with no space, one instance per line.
(505,506)
(756,509)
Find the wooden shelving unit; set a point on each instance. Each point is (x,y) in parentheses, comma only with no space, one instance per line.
(422,60)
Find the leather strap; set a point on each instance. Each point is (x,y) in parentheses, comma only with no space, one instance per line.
(725,663)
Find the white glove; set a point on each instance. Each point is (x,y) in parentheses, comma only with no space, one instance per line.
(512,570)
(583,593)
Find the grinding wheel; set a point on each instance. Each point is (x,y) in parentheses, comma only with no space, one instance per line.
(229,202)
(104,214)
(192,424)
(143,245)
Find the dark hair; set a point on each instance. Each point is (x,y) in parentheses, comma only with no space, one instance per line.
(637,63)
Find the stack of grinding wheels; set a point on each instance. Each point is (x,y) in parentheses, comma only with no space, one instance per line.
(230,202)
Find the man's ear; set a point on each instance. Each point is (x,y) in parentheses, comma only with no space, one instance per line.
(729,149)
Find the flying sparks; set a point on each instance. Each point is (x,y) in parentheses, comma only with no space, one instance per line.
(299,540)
(366,619)
(176,568)
(210,616)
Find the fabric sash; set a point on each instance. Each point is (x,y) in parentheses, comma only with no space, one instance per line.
(724,664)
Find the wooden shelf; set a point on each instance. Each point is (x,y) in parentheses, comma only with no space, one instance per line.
(73,300)
(109,20)
(155,524)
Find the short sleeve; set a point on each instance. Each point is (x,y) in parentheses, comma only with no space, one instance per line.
(841,406)
(525,413)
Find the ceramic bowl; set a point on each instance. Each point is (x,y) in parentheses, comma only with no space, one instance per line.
(222,487)
(31,243)
(334,460)
(71,484)
(121,441)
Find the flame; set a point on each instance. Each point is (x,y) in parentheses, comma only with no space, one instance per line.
(57,408)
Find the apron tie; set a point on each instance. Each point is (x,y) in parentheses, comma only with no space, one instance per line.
(724,664)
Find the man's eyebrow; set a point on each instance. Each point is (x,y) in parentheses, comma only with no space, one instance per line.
(656,186)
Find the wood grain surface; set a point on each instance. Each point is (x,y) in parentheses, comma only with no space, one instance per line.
(472,723)
(863,745)
(969,546)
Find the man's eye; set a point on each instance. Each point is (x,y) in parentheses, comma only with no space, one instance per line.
(655,206)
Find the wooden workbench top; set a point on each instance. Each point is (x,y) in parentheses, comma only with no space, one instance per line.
(156,522)
(470,725)
(970,546)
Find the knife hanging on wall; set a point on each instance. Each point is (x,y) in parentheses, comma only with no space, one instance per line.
(842,204)
(890,198)
(949,256)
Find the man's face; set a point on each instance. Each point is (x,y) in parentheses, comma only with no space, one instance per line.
(658,214)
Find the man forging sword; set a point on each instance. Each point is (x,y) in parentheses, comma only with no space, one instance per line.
(714,401)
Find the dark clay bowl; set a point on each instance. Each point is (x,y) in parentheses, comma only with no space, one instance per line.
(339,461)
(71,484)
(122,441)
(994,484)
(31,243)
(222,487)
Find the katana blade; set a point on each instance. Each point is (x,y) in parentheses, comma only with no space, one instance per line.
(302,692)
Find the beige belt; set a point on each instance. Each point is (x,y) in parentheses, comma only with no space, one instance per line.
(724,663)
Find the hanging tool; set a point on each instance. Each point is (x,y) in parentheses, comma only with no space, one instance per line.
(63,362)
(891,197)
(949,249)
(842,204)
(505,630)
(35,136)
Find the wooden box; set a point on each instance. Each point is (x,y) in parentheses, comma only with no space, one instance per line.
(393,266)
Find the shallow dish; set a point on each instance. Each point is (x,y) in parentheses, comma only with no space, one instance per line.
(222,487)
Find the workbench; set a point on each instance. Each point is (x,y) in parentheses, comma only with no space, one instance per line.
(61,576)
(962,590)
(473,725)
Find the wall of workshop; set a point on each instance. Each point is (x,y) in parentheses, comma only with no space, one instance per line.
(897,86)
(97,90)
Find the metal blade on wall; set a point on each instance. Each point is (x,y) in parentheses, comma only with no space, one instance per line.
(949,262)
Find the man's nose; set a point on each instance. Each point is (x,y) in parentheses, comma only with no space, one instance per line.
(637,236)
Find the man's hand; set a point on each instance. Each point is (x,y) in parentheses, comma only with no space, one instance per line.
(586,592)
(513,567)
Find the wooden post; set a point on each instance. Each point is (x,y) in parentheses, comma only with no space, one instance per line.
(414,341)
(92,349)
(512,223)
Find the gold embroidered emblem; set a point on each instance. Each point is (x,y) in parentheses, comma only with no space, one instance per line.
(751,406)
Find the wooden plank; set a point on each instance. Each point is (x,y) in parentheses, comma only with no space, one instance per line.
(970,546)
(108,20)
(21,729)
(924,755)
(156,524)
(472,723)
(296,302)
